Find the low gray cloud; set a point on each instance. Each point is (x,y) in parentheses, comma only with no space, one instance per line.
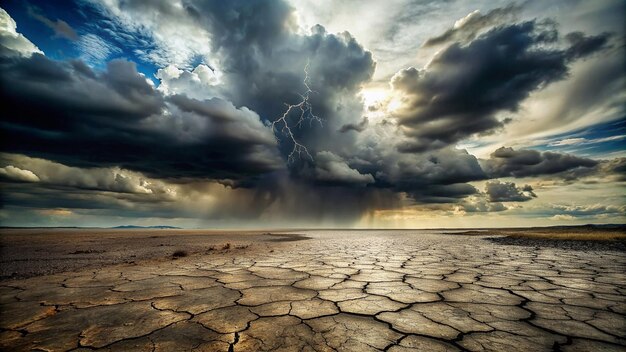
(468,27)
(508,162)
(615,167)
(58,175)
(479,204)
(356,127)
(13,173)
(585,211)
(582,45)
(498,191)
(331,169)
(439,176)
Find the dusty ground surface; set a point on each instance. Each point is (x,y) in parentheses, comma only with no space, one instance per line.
(324,291)
(34,252)
(558,233)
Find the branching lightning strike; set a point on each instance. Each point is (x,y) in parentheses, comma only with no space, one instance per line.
(306,113)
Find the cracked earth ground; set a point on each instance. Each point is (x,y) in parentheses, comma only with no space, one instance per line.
(357,292)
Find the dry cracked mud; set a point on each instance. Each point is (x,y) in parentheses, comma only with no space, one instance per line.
(363,291)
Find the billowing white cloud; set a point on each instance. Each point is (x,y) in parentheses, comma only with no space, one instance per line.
(112,179)
(200,83)
(12,40)
(14,173)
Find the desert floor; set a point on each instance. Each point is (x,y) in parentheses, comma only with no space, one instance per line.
(124,290)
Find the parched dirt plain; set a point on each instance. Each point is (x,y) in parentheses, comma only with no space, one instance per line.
(316,291)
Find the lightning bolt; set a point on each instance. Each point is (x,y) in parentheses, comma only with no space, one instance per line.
(306,114)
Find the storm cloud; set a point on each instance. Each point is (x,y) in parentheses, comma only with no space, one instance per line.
(119,119)
(508,162)
(582,45)
(465,88)
(498,191)
(356,127)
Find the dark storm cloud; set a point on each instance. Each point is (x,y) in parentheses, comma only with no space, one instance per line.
(115,118)
(67,113)
(273,199)
(439,176)
(462,90)
(582,45)
(261,54)
(615,166)
(603,171)
(331,169)
(495,193)
(263,57)
(508,192)
(356,127)
(261,41)
(264,50)
(451,193)
(467,28)
(507,162)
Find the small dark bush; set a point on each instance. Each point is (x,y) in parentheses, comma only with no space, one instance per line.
(180,253)
(88,251)
(226,246)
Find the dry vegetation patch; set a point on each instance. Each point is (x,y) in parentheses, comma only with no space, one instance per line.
(580,233)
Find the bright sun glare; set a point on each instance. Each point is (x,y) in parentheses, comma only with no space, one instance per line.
(373,96)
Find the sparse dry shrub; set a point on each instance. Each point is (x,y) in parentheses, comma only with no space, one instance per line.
(180,253)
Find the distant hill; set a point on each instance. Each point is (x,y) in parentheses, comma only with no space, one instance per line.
(145,227)
(590,226)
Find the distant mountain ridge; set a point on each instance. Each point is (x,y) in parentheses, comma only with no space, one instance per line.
(145,227)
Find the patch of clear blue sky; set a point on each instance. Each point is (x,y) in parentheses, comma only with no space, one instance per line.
(84,19)
(590,140)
